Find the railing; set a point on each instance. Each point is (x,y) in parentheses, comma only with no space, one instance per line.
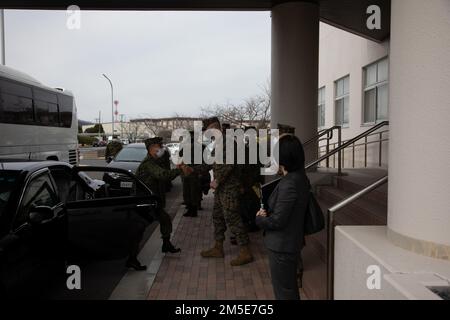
(329,133)
(366,143)
(346,145)
(331,231)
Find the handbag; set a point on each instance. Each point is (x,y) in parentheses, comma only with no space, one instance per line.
(314,219)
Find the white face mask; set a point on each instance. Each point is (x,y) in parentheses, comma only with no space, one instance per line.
(160,153)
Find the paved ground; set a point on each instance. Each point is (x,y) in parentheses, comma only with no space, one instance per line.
(189,276)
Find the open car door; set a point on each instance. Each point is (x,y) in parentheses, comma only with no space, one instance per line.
(108,209)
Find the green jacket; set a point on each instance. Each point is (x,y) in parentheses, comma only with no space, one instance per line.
(153,174)
(112,149)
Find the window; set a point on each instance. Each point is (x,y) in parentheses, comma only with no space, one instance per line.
(46,106)
(321,108)
(16,104)
(39,192)
(341,103)
(65,110)
(376,92)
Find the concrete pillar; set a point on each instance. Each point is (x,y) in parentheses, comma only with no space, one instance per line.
(419,145)
(295,68)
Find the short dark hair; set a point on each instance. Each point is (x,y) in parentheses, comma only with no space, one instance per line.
(291,153)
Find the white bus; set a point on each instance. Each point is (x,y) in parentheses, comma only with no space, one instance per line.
(36,122)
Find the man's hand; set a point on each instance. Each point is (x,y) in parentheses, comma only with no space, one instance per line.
(213,184)
(187,170)
(261,213)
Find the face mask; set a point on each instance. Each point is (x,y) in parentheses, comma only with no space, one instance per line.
(160,153)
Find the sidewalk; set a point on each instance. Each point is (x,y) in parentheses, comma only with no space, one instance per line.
(189,276)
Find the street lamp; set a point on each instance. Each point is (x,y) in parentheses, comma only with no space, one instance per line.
(112,104)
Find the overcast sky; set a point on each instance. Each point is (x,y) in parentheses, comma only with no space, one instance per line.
(161,63)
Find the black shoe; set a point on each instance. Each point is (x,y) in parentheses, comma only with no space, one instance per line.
(168,247)
(136,265)
(233,241)
(191,212)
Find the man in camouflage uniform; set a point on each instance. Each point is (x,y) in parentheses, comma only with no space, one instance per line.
(113,148)
(227,186)
(152,174)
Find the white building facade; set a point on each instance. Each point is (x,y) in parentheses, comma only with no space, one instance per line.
(353,93)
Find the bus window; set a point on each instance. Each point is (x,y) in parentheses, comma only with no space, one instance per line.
(15,89)
(46,113)
(46,106)
(15,103)
(65,110)
(15,109)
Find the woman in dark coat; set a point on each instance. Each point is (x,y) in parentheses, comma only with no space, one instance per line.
(283,222)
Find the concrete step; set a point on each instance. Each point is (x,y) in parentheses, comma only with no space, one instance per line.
(363,211)
(355,180)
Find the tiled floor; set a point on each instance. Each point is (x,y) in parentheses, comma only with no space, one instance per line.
(189,276)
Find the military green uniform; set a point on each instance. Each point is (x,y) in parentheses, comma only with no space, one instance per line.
(226,201)
(112,149)
(152,174)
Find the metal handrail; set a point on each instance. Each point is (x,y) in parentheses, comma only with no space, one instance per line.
(329,133)
(354,145)
(331,231)
(345,145)
(321,134)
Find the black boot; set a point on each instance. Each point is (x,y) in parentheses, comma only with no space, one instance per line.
(188,212)
(168,247)
(191,212)
(135,264)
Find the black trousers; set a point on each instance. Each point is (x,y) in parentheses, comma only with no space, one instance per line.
(283,270)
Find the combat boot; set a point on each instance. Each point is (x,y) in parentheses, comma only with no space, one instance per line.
(191,212)
(245,256)
(214,252)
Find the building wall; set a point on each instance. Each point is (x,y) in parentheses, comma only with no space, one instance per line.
(342,53)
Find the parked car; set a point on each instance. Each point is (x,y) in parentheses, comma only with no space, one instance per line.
(51,211)
(129,158)
(99,143)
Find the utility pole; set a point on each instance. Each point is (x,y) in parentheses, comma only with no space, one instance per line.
(99,123)
(112,104)
(2,35)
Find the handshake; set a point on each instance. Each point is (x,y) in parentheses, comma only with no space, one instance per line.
(186,169)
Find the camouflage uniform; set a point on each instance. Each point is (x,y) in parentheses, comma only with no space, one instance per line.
(152,174)
(112,149)
(226,201)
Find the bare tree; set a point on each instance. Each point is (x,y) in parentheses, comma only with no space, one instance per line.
(132,131)
(254,110)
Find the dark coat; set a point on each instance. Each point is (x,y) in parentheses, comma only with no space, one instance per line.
(284,225)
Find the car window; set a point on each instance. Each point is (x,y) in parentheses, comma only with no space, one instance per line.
(39,192)
(8,182)
(107,184)
(131,155)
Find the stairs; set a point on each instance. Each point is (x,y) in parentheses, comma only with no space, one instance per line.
(368,210)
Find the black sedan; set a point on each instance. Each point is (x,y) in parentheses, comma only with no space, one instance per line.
(52,211)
